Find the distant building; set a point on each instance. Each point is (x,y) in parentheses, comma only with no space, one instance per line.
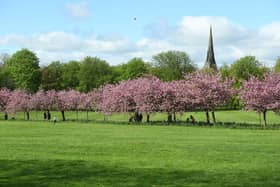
(210,62)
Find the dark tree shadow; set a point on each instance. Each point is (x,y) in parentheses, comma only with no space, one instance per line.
(81,173)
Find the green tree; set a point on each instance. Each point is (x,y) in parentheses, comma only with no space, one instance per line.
(117,72)
(246,67)
(24,68)
(52,76)
(225,71)
(172,65)
(70,71)
(6,79)
(134,68)
(277,66)
(93,73)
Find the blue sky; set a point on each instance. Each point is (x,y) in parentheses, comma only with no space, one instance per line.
(65,30)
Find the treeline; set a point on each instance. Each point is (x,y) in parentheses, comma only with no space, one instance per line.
(21,70)
(148,94)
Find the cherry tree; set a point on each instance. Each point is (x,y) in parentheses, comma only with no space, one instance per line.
(147,94)
(90,101)
(74,100)
(140,95)
(209,91)
(62,103)
(37,100)
(118,98)
(19,100)
(176,97)
(261,95)
(4,98)
(50,101)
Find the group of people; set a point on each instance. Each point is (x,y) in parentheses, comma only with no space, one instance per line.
(137,117)
(47,115)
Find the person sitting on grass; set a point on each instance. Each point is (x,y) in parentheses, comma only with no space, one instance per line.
(192,119)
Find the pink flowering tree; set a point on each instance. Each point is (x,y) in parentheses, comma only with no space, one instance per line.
(140,95)
(4,98)
(50,101)
(62,103)
(261,95)
(19,100)
(273,81)
(74,100)
(147,95)
(176,97)
(90,101)
(37,100)
(118,98)
(209,91)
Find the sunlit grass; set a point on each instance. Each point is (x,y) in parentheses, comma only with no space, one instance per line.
(79,154)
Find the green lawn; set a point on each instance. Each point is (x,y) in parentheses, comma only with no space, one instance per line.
(79,154)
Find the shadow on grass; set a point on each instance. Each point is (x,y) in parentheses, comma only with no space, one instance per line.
(81,173)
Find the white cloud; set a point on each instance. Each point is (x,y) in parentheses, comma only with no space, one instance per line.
(78,9)
(231,41)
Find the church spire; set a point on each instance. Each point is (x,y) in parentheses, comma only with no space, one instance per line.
(210,59)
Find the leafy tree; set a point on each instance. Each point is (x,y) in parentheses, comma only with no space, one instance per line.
(93,73)
(172,65)
(277,66)
(24,68)
(6,79)
(117,72)
(246,67)
(134,68)
(224,70)
(52,76)
(70,71)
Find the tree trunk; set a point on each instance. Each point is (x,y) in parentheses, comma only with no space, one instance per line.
(174,117)
(169,118)
(6,116)
(148,118)
(76,115)
(87,115)
(264,118)
(214,117)
(63,115)
(27,115)
(207,117)
(260,118)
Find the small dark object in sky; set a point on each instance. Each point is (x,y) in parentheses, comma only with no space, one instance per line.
(134,18)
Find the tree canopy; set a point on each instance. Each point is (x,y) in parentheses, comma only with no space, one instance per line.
(172,65)
(24,68)
(52,76)
(70,71)
(93,73)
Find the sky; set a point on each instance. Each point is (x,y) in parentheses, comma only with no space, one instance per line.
(117,31)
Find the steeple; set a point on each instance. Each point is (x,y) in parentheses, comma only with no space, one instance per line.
(210,59)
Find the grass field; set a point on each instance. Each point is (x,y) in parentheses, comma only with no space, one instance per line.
(222,116)
(79,154)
